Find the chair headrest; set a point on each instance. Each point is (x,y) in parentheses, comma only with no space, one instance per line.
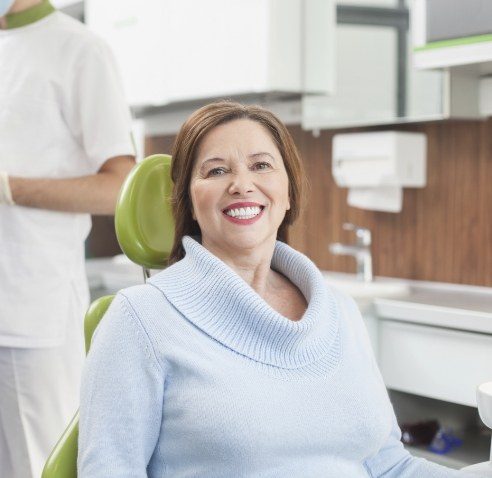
(143,219)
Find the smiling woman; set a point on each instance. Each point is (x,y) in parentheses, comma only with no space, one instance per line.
(161,395)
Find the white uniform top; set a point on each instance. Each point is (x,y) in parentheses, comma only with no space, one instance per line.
(62,114)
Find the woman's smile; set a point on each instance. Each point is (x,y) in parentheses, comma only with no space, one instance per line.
(243,212)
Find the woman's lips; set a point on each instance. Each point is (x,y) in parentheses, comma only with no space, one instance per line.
(243,213)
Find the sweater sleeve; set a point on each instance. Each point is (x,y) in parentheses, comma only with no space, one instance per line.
(121,398)
(394,461)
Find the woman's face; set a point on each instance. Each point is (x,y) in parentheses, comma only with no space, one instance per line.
(239,188)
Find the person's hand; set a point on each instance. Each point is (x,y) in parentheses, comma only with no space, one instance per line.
(5,192)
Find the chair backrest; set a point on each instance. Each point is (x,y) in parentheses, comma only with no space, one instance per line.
(145,231)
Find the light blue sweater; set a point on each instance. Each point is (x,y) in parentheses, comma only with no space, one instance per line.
(194,375)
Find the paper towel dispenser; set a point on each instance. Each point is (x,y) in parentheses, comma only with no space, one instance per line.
(376,165)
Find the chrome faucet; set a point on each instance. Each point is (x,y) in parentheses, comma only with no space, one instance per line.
(361,250)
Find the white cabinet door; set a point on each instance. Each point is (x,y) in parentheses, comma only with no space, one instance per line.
(434,362)
(181,50)
(365,81)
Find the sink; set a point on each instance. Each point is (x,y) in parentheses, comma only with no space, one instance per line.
(362,291)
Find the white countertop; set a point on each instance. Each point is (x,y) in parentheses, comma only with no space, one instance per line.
(455,306)
(442,305)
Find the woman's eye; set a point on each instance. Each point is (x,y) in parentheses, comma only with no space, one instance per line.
(263,165)
(215,172)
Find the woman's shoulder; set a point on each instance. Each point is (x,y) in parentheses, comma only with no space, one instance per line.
(138,296)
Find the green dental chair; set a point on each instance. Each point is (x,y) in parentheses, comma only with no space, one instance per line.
(145,232)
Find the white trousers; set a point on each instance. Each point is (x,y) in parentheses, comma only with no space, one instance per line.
(39,394)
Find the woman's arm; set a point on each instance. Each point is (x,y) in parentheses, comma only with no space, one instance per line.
(121,399)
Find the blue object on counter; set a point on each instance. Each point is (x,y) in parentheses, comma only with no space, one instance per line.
(444,441)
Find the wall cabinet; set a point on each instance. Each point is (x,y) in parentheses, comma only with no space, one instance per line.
(339,64)
(456,35)
(376,78)
(448,33)
(177,51)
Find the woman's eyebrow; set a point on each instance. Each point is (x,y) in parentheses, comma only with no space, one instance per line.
(260,154)
(209,161)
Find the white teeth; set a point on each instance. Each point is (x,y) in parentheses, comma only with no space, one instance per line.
(244,212)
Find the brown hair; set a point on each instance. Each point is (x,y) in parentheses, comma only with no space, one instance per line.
(184,151)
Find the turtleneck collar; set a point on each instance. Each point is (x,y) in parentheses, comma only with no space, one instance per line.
(31,15)
(219,302)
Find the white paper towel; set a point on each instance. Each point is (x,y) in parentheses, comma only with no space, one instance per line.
(382,198)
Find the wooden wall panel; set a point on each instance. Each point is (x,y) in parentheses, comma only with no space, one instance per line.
(444,232)
(485,216)
(158,145)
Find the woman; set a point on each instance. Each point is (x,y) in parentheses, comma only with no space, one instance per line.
(237,360)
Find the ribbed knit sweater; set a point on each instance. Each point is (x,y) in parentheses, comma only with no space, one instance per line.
(194,375)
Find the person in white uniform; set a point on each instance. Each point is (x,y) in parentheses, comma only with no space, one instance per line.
(65,148)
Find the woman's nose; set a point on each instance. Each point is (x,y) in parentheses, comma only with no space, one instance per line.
(241,183)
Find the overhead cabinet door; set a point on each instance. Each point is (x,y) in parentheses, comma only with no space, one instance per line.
(182,50)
